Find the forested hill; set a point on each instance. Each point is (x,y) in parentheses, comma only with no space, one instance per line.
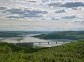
(74,35)
(72,52)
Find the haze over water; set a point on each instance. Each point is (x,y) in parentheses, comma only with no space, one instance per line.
(29,39)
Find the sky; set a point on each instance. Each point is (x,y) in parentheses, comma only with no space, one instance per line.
(41,15)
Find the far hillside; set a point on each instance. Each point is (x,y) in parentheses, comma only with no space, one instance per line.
(73,35)
(19,33)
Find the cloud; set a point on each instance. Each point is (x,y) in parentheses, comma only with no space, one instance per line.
(72,4)
(74,8)
(4,1)
(34,13)
(69,17)
(41,14)
(15,17)
(15,11)
(44,1)
(57,4)
(55,18)
(24,13)
(80,22)
(32,1)
(3,8)
(60,11)
(67,4)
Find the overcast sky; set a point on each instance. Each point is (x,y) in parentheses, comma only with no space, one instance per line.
(41,15)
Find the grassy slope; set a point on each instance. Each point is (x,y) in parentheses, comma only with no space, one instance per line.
(73,52)
(74,35)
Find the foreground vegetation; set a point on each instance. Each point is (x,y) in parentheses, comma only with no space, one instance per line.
(73,52)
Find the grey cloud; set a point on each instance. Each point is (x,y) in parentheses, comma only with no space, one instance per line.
(14,17)
(31,15)
(67,4)
(75,8)
(69,17)
(60,11)
(32,1)
(55,4)
(20,11)
(37,12)
(81,22)
(25,13)
(44,1)
(3,8)
(15,11)
(72,4)
(55,18)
